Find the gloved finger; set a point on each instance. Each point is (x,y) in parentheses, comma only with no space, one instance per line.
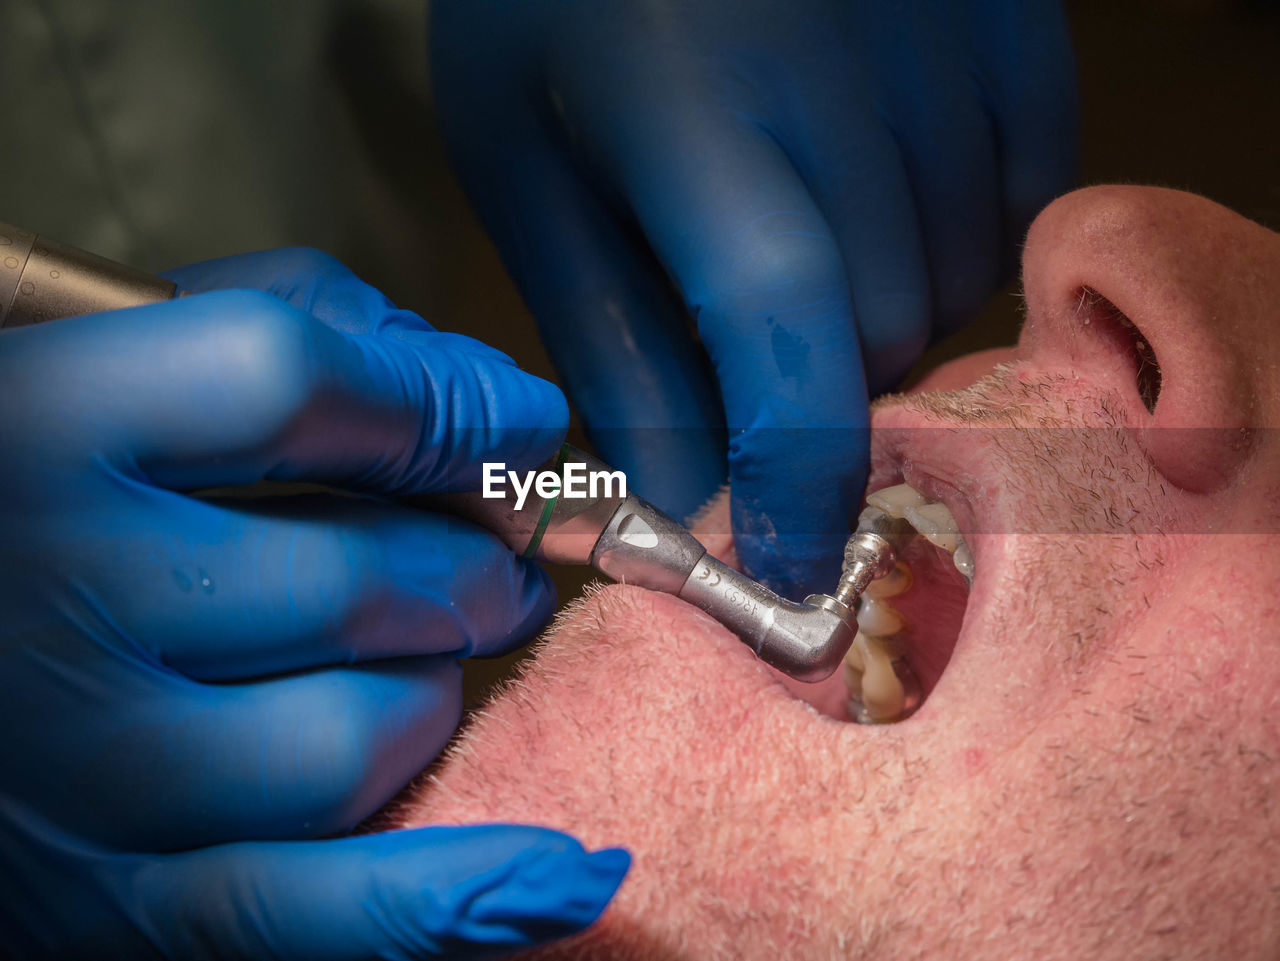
(613,326)
(855,170)
(233,387)
(624,344)
(325,288)
(1028,78)
(285,583)
(758,265)
(460,892)
(947,141)
(308,279)
(298,756)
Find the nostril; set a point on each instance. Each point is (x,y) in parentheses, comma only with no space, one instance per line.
(1113,325)
(1148,370)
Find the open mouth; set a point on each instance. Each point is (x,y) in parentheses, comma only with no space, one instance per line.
(909,620)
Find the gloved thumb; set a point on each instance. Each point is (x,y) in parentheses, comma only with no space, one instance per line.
(463,892)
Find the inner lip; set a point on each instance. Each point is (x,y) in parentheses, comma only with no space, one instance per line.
(936,605)
(934,609)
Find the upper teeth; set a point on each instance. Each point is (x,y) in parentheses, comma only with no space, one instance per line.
(937,525)
(895,500)
(933,520)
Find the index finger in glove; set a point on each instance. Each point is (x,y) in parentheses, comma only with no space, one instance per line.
(757,263)
(312,281)
(234,387)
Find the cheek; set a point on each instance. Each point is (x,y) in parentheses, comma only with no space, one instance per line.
(963,371)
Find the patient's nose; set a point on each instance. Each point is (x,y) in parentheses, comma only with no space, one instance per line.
(1171,301)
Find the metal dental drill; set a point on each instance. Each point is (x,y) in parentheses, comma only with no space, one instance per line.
(631,541)
(625,538)
(41,280)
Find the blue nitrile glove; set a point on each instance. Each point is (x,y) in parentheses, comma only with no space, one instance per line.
(823,185)
(194,693)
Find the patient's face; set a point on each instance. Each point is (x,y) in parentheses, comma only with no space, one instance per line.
(1093,772)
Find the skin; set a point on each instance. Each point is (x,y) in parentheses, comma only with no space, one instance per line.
(1093,773)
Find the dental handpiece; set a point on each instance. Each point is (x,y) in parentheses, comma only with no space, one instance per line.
(621,535)
(628,539)
(41,279)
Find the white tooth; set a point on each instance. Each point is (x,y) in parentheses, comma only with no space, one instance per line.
(963,561)
(853,661)
(881,694)
(897,581)
(895,500)
(853,672)
(877,619)
(935,522)
(872,517)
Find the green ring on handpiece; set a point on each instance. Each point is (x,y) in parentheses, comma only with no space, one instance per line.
(547,508)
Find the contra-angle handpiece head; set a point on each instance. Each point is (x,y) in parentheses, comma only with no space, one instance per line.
(871,552)
(644,546)
(807,641)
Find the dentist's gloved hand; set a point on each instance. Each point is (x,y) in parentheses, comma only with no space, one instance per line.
(823,185)
(194,693)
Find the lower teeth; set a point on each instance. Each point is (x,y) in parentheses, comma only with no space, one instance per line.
(886,688)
